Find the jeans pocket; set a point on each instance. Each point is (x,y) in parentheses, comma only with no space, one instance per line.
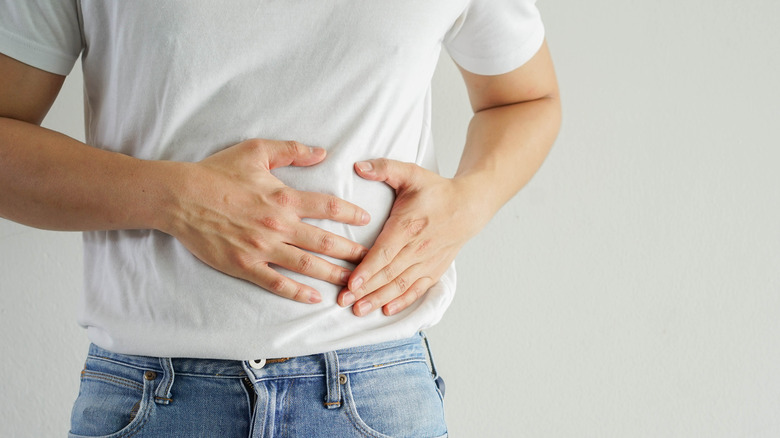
(395,401)
(114,400)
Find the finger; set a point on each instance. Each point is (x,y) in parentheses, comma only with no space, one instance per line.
(396,174)
(388,292)
(317,240)
(392,273)
(321,206)
(396,235)
(288,153)
(379,297)
(302,262)
(276,283)
(414,293)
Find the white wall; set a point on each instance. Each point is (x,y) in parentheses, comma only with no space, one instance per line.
(631,290)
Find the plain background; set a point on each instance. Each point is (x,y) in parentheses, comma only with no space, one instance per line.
(631,290)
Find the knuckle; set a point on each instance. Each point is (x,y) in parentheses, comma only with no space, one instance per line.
(327,242)
(300,294)
(257,243)
(414,227)
(293,147)
(386,254)
(424,245)
(278,285)
(284,197)
(305,263)
(401,283)
(272,223)
(337,276)
(332,207)
(389,273)
(357,252)
(254,144)
(241,261)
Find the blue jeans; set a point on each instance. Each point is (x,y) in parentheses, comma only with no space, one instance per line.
(382,390)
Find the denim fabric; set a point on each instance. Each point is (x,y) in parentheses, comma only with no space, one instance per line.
(382,390)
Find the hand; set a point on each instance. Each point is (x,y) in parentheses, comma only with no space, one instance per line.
(431,219)
(238,218)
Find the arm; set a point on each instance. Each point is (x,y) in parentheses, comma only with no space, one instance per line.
(517,117)
(228,209)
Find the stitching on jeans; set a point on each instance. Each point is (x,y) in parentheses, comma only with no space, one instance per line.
(127,383)
(287,404)
(142,422)
(388,364)
(266,409)
(354,417)
(138,427)
(358,424)
(396,362)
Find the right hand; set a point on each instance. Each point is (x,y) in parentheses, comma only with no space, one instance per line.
(235,216)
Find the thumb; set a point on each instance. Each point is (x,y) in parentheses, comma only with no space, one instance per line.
(290,153)
(396,174)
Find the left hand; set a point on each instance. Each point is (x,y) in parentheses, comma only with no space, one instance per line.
(431,219)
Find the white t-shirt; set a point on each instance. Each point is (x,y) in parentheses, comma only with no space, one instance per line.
(182,79)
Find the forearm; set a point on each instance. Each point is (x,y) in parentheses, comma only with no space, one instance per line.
(51,181)
(505,146)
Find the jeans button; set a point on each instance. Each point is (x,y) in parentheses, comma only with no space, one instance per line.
(257,363)
(150,375)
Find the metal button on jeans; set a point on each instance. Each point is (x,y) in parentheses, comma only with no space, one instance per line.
(257,363)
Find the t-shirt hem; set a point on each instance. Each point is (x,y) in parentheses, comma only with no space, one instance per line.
(504,64)
(36,55)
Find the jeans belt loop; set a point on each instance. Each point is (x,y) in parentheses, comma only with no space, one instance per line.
(333,399)
(163,394)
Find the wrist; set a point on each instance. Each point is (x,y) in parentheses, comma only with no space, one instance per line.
(477,196)
(161,186)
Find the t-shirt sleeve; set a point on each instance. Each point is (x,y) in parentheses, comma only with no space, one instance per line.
(493,37)
(45,34)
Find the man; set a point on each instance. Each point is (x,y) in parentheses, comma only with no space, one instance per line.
(265,232)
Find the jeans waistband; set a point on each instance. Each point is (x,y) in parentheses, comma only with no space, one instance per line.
(349,360)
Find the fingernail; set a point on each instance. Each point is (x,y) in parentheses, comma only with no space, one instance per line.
(315,297)
(363,254)
(348,299)
(366,218)
(357,283)
(363,308)
(345,276)
(365,166)
(392,308)
(315,150)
